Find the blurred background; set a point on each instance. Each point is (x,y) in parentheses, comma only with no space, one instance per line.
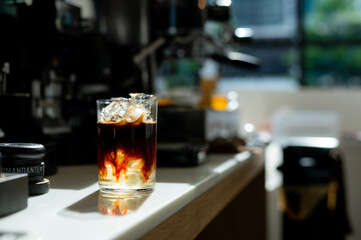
(239,68)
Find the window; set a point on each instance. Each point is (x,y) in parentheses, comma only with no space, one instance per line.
(331,42)
(311,42)
(274,25)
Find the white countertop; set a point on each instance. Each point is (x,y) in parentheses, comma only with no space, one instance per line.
(70,209)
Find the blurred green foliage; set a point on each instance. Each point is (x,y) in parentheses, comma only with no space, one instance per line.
(330,28)
(333,20)
(332,65)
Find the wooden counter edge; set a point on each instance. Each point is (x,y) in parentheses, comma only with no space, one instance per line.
(189,221)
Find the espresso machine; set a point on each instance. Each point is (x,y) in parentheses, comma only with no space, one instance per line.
(185,119)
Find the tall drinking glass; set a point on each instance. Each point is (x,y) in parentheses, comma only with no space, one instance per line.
(127,142)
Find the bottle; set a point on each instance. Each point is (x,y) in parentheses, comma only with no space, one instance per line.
(209,76)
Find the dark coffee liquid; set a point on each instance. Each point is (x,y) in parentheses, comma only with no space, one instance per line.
(121,143)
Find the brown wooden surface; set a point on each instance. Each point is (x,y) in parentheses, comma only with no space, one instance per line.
(189,222)
(243,218)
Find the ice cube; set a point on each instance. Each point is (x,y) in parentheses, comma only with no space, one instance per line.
(142,98)
(139,96)
(110,112)
(148,118)
(125,106)
(114,112)
(135,113)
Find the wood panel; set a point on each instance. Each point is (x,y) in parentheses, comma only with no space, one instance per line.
(188,222)
(243,218)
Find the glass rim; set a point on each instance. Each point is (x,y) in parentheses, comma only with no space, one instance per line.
(142,97)
(105,100)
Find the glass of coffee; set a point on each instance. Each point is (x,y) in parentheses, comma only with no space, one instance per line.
(127,142)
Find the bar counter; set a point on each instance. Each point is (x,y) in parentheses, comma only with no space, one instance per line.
(187,203)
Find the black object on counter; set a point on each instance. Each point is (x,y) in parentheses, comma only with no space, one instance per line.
(181,154)
(13,193)
(313,193)
(15,151)
(25,158)
(181,136)
(39,187)
(35,171)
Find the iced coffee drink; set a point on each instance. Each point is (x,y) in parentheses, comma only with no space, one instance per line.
(127,139)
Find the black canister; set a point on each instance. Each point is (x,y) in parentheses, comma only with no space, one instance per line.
(26,158)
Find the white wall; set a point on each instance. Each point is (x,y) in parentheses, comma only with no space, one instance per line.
(258,107)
